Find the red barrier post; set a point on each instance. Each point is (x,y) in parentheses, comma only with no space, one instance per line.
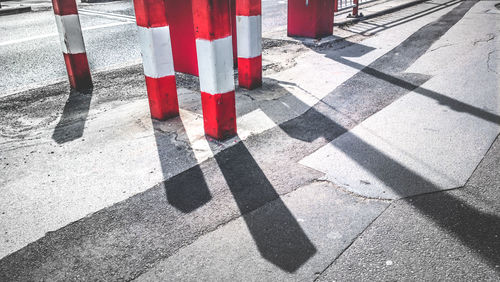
(310,18)
(72,45)
(180,21)
(355,8)
(212,23)
(154,38)
(233,30)
(249,30)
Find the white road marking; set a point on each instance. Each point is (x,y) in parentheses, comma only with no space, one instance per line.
(107,15)
(17,41)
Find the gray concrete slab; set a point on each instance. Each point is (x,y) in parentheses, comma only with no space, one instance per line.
(329,218)
(431,139)
(487,174)
(445,236)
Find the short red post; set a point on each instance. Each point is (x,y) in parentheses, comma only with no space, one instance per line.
(310,18)
(72,45)
(355,8)
(157,59)
(212,23)
(249,30)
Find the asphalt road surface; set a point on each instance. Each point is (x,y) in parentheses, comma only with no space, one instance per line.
(30,54)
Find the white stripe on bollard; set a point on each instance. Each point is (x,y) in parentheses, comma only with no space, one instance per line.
(156,51)
(249,30)
(215,65)
(70,34)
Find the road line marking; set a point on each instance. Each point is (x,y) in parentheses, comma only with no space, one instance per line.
(106,14)
(17,41)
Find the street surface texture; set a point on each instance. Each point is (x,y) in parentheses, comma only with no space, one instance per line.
(371,155)
(30,52)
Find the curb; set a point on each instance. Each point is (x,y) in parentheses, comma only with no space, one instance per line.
(14,10)
(380,13)
(98,1)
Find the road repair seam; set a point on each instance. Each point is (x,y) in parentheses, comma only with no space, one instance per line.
(352,242)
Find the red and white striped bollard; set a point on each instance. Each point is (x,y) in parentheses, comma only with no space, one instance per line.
(156,49)
(72,45)
(214,50)
(249,30)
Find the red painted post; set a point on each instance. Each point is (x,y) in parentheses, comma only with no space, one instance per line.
(355,8)
(73,47)
(180,21)
(310,18)
(249,30)
(233,31)
(212,23)
(156,50)
(336,5)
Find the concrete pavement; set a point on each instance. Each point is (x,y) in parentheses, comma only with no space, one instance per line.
(93,190)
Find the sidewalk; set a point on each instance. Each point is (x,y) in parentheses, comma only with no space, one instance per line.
(342,169)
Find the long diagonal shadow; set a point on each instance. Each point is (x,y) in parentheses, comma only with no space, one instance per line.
(188,190)
(474,228)
(72,123)
(402,19)
(276,232)
(452,103)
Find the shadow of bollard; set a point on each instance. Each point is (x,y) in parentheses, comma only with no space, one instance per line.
(75,112)
(276,232)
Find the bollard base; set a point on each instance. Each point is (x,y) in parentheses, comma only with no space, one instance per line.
(250,72)
(162,96)
(219,115)
(79,75)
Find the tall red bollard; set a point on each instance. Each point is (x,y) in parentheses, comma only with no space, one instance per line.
(214,48)
(234,33)
(156,49)
(180,21)
(355,9)
(73,48)
(249,30)
(310,18)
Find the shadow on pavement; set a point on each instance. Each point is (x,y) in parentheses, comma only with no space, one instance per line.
(475,229)
(276,232)
(187,190)
(401,17)
(74,116)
